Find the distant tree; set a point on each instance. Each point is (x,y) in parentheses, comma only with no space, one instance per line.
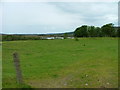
(81,31)
(117,31)
(65,36)
(19,37)
(108,30)
(8,37)
(92,31)
(77,32)
(98,32)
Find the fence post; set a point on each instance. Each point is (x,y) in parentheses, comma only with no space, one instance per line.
(17,68)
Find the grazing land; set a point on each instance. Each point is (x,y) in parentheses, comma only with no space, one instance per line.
(86,63)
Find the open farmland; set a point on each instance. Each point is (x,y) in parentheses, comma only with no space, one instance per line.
(87,63)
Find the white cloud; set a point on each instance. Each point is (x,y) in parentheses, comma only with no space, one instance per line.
(44,14)
(55,17)
(111,18)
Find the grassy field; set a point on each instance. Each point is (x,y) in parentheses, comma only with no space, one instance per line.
(87,63)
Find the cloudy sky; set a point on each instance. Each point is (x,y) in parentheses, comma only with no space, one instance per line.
(55,17)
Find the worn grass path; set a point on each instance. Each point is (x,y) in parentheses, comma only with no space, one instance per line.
(87,63)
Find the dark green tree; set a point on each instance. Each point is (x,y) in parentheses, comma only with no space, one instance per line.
(98,32)
(108,30)
(92,31)
(65,36)
(81,31)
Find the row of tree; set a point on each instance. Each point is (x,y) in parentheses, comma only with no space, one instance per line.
(18,37)
(107,30)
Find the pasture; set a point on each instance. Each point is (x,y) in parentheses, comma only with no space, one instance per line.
(87,63)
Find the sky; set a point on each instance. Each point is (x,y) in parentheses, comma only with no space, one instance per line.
(55,17)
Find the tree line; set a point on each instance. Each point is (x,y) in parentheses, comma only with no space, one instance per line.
(107,30)
(19,37)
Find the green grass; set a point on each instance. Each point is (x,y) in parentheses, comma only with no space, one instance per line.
(63,63)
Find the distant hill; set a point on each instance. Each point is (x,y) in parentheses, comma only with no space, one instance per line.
(49,34)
